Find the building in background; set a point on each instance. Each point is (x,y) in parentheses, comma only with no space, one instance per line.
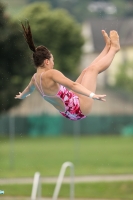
(95,43)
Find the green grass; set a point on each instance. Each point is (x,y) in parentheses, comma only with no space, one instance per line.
(90,155)
(109,190)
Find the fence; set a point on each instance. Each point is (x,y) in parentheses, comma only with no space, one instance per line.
(56,125)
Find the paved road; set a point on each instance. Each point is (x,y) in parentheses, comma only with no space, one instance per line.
(77,179)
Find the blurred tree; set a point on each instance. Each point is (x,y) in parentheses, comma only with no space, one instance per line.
(59,32)
(13,58)
(76,8)
(80,9)
(121,7)
(124,77)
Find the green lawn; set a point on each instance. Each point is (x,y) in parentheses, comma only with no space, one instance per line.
(90,155)
(103,190)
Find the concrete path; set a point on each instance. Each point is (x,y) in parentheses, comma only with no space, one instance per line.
(22,198)
(77,179)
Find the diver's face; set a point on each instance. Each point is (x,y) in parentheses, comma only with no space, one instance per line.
(51,61)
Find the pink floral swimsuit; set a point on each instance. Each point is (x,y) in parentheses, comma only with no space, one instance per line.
(71,102)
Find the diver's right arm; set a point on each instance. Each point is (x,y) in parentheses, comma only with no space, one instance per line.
(27,91)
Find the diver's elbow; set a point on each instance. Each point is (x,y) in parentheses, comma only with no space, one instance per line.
(74,86)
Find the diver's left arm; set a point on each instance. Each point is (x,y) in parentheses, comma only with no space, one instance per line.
(58,77)
(27,91)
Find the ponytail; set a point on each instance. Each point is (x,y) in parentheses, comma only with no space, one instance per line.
(28,35)
(40,53)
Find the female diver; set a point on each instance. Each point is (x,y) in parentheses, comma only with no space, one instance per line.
(72,99)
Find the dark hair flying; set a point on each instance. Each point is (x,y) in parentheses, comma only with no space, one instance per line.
(40,53)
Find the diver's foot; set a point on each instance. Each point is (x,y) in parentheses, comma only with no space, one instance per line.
(106,38)
(114,37)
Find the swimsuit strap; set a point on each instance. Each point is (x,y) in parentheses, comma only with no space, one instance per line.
(41,84)
(39,88)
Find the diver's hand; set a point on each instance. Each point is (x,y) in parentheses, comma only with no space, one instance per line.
(21,95)
(18,96)
(99,97)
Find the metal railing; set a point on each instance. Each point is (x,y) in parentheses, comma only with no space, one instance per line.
(36,188)
(60,180)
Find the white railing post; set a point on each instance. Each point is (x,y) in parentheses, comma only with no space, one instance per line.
(60,179)
(36,188)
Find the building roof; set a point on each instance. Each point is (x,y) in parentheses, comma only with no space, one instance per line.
(124,27)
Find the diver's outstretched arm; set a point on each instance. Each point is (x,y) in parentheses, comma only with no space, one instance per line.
(27,91)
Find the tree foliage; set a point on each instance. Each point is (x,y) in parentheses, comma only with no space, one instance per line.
(79,9)
(13,60)
(59,32)
(124,77)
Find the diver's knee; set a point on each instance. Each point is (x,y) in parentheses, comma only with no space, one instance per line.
(92,68)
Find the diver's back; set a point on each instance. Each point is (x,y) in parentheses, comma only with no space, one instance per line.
(51,93)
